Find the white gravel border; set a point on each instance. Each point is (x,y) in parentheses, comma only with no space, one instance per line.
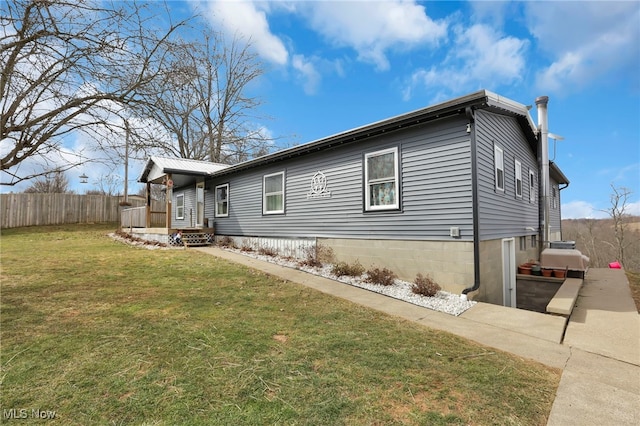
(443,301)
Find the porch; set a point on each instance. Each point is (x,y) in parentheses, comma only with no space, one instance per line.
(190,236)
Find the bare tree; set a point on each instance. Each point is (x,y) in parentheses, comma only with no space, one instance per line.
(62,64)
(50,183)
(201,99)
(618,214)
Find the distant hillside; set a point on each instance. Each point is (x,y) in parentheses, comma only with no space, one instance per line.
(596,239)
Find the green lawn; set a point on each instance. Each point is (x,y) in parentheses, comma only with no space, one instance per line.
(105,333)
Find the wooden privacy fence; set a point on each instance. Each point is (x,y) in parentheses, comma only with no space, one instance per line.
(56,209)
(136,217)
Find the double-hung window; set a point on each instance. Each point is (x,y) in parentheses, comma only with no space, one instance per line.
(498,161)
(180,206)
(222,200)
(273,193)
(518,181)
(532,186)
(382,187)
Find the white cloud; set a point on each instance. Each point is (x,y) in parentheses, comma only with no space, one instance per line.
(480,56)
(307,72)
(586,41)
(633,208)
(373,28)
(248,19)
(581,209)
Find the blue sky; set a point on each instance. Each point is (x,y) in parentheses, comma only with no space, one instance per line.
(335,65)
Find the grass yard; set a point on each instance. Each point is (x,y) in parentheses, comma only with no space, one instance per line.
(105,333)
(634,285)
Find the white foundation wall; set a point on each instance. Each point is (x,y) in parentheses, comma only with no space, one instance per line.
(449,263)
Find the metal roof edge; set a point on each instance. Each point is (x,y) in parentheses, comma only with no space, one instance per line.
(513,106)
(557,173)
(456,105)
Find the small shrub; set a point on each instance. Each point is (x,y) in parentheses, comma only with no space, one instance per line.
(246,246)
(425,286)
(382,276)
(227,241)
(343,268)
(268,251)
(316,255)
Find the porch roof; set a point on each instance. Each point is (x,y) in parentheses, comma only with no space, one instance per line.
(182,169)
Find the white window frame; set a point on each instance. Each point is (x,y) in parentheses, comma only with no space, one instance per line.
(532,186)
(370,205)
(266,194)
(180,206)
(498,165)
(517,168)
(554,196)
(223,202)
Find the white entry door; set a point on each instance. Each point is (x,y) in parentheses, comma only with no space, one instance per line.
(509,272)
(200,204)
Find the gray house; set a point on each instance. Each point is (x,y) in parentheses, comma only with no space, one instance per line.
(455,190)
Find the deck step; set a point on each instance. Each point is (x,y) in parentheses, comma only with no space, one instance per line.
(195,239)
(565,298)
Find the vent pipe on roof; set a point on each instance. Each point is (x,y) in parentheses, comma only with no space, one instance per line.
(543,143)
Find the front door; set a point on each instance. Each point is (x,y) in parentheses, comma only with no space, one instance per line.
(509,272)
(199,204)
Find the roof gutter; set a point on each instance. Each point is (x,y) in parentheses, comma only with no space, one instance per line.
(474,201)
(418,117)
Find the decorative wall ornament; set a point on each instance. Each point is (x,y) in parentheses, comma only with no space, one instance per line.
(318,188)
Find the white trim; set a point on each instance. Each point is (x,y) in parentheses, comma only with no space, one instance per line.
(517,168)
(180,206)
(200,204)
(394,190)
(498,165)
(225,201)
(509,270)
(532,186)
(271,194)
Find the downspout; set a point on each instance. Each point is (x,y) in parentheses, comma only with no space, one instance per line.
(543,144)
(474,202)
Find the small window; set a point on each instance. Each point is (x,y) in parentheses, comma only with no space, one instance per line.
(273,193)
(381,180)
(534,241)
(554,196)
(523,243)
(518,173)
(498,159)
(222,200)
(180,206)
(532,186)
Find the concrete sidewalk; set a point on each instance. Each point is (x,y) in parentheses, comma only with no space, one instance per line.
(599,356)
(600,383)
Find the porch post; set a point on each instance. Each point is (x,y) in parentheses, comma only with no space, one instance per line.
(168,196)
(148,207)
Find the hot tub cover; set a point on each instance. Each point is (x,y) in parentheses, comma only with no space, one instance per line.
(574,260)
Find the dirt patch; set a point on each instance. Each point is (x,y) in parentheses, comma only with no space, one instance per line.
(280,338)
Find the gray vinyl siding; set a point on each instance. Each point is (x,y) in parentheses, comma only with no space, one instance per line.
(435,188)
(189,219)
(209,203)
(502,214)
(554,212)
